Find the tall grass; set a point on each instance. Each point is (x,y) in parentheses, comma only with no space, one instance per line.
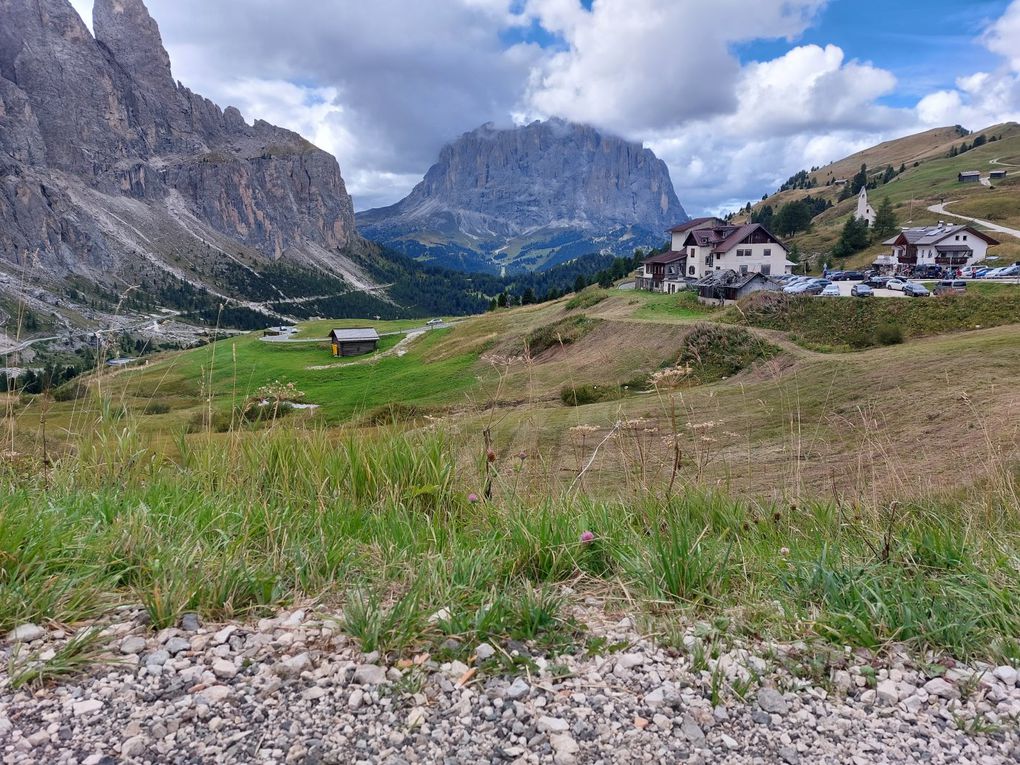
(378,525)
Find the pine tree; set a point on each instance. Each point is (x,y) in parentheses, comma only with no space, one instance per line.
(885,219)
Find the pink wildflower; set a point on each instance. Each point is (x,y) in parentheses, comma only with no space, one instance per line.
(587,537)
(472,497)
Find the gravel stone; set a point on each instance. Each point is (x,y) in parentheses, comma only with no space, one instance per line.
(25,633)
(772,701)
(132,645)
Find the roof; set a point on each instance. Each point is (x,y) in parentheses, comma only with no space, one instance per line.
(997,172)
(922,235)
(665,257)
(693,223)
(354,334)
(954,247)
(970,173)
(725,238)
(728,278)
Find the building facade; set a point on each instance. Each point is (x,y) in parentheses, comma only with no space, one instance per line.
(706,245)
(864,210)
(945,245)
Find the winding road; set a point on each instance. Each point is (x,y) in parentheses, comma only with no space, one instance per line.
(941,210)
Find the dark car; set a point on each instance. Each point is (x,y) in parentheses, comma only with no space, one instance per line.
(816,287)
(847,276)
(862,290)
(912,289)
(835,276)
(878,281)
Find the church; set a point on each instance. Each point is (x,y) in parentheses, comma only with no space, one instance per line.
(864,210)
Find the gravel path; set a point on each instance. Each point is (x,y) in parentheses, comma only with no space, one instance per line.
(294,690)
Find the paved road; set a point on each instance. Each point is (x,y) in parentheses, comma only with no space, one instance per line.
(941,210)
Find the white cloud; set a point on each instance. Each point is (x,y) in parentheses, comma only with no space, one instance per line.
(383,85)
(982,99)
(641,65)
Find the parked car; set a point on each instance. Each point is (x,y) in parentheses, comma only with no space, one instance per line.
(848,276)
(981,273)
(878,281)
(834,276)
(830,290)
(862,290)
(994,273)
(913,289)
(816,287)
(969,272)
(796,285)
(433,322)
(1011,271)
(950,287)
(896,284)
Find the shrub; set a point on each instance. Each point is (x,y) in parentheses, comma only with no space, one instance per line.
(391,414)
(562,332)
(712,352)
(888,334)
(587,298)
(156,407)
(579,395)
(71,391)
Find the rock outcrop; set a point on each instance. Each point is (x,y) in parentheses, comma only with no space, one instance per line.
(531,196)
(110,170)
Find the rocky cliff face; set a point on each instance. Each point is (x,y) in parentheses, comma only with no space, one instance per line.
(110,170)
(531,196)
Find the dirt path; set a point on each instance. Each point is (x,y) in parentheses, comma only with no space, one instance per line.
(941,210)
(397,350)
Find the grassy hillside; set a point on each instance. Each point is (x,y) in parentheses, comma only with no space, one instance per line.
(929,177)
(742,403)
(734,477)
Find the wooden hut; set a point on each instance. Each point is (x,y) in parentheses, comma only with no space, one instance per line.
(353,341)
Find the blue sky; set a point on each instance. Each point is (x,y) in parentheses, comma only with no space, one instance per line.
(926,44)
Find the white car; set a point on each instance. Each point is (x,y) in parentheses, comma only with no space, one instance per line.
(831,290)
(896,284)
(433,322)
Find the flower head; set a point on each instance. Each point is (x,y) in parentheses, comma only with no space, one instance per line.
(472,497)
(587,537)
(490,455)
(784,552)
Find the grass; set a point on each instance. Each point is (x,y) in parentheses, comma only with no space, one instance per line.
(379,524)
(854,324)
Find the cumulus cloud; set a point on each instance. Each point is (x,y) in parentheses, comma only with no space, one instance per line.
(383,85)
(640,65)
(983,98)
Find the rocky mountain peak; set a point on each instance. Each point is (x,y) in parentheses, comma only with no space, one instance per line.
(132,37)
(494,187)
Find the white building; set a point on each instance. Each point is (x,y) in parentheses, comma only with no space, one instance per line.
(864,210)
(945,245)
(705,245)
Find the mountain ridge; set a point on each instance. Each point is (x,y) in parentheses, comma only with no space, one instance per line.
(530,196)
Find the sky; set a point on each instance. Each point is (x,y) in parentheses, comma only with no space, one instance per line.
(734,95)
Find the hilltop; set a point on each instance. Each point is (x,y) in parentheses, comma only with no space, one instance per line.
(914,172)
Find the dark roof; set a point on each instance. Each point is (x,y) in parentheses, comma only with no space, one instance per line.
(954,247)
(725,238)
(728,278)
(354,334)
(935,234)
(665,257)
(693,223)
(971,172)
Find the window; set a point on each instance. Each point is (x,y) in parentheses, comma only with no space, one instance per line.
(965,237)
(767,268)
(767,252)
(958,237)
(743,253)
(743,268)
(691,270)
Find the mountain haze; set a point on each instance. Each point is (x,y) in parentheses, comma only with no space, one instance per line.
(528,197)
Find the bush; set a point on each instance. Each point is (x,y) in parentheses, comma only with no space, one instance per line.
(71,391)
(579,395)
(587,298)
(889,334)
(713,351)
(156,407)
(562,332)
(390,414)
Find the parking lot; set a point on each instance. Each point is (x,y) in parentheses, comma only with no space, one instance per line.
(845,287)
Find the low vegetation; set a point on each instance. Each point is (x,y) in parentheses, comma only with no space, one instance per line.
(563,332)
(855,324)
(386,526)
(712,352)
